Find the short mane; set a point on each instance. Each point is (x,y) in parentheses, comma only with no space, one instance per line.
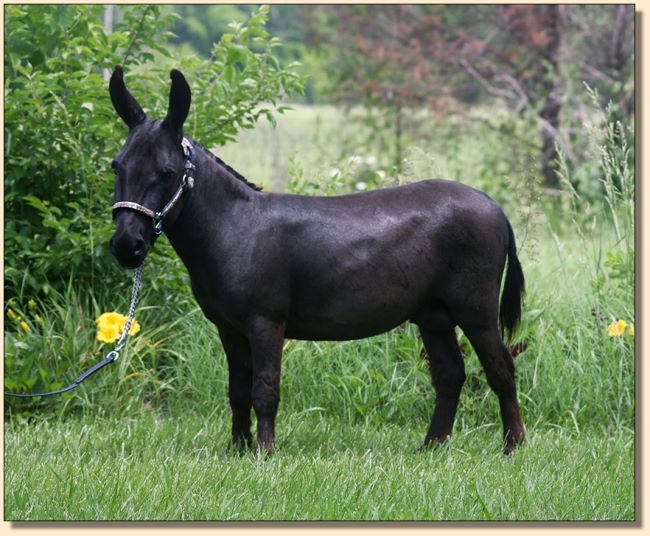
(234,172)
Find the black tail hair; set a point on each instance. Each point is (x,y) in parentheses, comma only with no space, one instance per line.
(513,289)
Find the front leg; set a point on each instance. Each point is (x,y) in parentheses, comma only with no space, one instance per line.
(240,385)
(266,338)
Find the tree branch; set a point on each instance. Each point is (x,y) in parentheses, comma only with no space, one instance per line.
(596,73)
(471,70)
(543,122)
(617,38)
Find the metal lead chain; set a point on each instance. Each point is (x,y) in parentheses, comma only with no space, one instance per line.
(137,280)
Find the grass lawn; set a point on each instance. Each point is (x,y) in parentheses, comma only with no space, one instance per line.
(157,468)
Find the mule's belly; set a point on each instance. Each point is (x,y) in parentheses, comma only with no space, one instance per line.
(353,302)
(313,332)
(343,326)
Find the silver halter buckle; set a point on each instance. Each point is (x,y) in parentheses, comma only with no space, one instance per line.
(157,223)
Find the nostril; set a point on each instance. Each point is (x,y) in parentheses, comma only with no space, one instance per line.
(139,247)
(127,246)
(129,250)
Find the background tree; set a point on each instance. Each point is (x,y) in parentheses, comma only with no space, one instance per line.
(409,57)
(518,61)
(203,25)
(379,56)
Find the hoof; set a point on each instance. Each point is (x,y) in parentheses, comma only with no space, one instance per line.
(512,441)
(239,446)
(264,448)
(433,443)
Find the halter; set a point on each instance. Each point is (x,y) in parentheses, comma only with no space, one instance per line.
(186,183)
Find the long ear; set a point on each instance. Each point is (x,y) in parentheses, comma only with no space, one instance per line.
(180,97)
(123,102)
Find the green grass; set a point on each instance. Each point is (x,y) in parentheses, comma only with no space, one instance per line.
(311,134)
(152,468)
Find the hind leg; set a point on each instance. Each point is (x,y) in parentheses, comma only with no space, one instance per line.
(500,372)
(447,376)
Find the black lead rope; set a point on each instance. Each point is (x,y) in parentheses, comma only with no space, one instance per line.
(112,355)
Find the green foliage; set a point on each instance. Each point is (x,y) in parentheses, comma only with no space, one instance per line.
(240,83)
(608,145)
(355,174)
(610,154)
(49,343)
(593,283)
(202,25)
(61,133)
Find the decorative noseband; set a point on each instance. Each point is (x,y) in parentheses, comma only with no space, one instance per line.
(186,183)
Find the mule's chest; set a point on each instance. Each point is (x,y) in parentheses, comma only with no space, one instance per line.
(223,300)
(210,299)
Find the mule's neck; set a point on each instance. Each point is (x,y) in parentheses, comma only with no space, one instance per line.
(217,177)
(219,196)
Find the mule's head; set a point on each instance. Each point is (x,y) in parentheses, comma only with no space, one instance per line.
(148,168)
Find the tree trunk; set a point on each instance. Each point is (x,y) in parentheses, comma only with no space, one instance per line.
(398,137)
(108,25)
(550,112)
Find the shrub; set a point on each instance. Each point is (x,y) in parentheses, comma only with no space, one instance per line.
(61,133)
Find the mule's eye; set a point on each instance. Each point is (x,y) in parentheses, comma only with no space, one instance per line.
(168,173)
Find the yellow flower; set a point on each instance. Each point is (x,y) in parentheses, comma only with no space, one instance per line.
(135,327)
(38,319)
(110,326)
(11,314)
(24,325)
(109,319)
(616,328)
(630,330)
(108,334)
(31,304)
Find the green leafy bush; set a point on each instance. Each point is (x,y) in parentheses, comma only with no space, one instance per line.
(61,130)
(61,133)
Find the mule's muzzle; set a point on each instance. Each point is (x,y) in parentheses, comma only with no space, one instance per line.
(129,250)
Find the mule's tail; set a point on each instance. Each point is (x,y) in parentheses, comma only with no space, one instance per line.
(513,289)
